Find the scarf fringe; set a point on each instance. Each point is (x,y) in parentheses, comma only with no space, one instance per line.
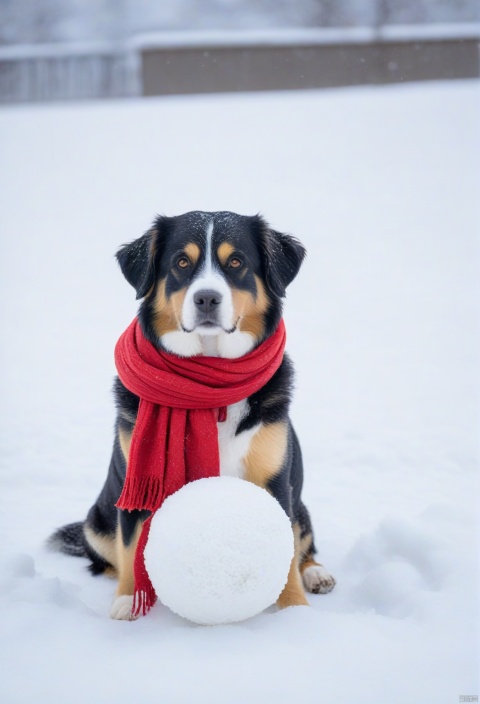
(141,493)
(144,595)
(143,600)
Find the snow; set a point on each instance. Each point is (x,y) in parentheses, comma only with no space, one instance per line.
(422,32)
(57,50)
(381,185)
(295,36)
(219,550)
(258,37)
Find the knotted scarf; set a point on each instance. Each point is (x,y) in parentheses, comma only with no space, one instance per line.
(175,438)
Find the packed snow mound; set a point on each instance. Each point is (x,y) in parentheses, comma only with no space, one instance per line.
(21,583)
(395,566)
(219,550)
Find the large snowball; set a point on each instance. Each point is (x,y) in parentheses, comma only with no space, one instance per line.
(219,550)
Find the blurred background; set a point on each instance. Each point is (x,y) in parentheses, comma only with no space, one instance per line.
(70,49)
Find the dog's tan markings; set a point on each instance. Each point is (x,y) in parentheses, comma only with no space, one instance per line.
(224,251)
(176,302)
(164,318)
(192,251)
(104,545)
(264,460)
(243,301)
(305,557)
(125,558)
(293,593)
(125,438)
(315,577)
(122,555)
(250,309)
(305,543)
(266,453)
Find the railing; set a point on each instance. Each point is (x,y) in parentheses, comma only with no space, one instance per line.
(67,72)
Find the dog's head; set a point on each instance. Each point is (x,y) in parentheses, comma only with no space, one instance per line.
(211,283)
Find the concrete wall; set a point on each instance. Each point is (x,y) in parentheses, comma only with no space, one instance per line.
(175,70)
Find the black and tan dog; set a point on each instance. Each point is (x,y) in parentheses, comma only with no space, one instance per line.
(211,284)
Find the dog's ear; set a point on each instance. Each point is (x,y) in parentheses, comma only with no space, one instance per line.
(137,259)
(282,258)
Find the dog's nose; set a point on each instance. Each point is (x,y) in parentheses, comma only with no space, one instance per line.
(206,301)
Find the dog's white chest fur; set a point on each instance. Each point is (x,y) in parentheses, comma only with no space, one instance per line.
(233,448)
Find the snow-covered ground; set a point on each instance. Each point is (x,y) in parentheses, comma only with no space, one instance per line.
(382,187)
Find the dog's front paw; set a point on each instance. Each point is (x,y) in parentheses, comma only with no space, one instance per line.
(318,580)
(122,608)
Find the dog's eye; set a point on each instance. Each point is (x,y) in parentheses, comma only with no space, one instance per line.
(235,263)
(183,263)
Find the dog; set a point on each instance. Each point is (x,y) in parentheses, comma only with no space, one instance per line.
(210,283)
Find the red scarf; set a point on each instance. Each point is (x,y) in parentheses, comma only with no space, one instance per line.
(175,439)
